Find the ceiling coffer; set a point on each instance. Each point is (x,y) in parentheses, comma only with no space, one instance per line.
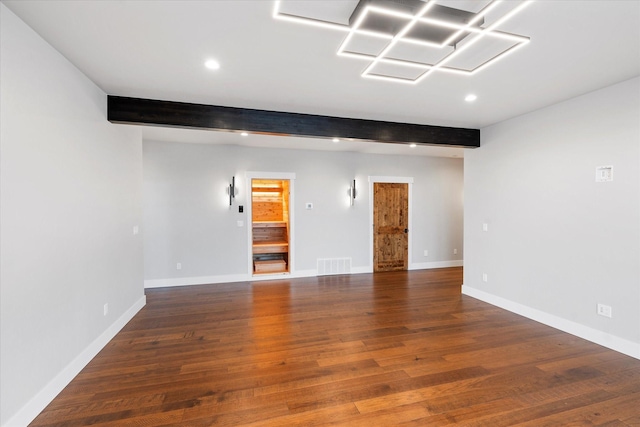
(406,41)
(392,23)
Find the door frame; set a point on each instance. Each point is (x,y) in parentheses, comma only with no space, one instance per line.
(249,176)
(391,180)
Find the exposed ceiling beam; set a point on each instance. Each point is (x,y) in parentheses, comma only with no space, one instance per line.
(139,111)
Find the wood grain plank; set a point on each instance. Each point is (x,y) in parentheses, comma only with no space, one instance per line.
(398,348)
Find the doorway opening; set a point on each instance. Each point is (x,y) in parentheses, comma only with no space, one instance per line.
(270,231)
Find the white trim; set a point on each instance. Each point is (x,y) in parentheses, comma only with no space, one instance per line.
(229,278)
(297,275)
(362,270)
(291,177)
(604,339)
(199,280)
(35,405)
(269,175)
(235,278)
(436,264)
(392,180)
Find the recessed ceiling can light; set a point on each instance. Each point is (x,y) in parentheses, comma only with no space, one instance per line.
(212,64)
(336,139)
(470,98)
(413,145)
(244,133)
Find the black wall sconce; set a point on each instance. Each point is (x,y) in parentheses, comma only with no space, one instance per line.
(352,192)
(232,190)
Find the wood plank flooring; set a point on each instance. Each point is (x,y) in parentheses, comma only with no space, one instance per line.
(390,349)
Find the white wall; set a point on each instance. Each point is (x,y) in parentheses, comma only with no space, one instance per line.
(70,194)
(558,242)
(188,219)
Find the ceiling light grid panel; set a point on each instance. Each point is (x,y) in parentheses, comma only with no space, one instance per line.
(407,40)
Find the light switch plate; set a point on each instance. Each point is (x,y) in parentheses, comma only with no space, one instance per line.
(604,173)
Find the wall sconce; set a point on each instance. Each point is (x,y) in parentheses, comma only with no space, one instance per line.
(232,190)
(352,193)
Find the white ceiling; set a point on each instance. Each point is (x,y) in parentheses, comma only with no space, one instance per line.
(156,49)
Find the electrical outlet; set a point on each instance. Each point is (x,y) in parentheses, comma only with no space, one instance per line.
(485,227)
(605,310)
(136,230)
(105,309)
(455,252)
(179,266)
(426,252)
(485,277)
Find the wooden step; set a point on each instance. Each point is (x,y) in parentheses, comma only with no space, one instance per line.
(270,266)
(269,224)
(270,248)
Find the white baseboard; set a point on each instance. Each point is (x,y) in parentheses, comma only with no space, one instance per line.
(604,339)
(295,275)
(234,278)
(362,270)
(33,408)
(436,264)
(198,280)
(229,278)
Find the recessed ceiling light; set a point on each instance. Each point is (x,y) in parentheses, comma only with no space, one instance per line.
(336,139)
(244,133)
(470,98)
(413,145)
(212,64)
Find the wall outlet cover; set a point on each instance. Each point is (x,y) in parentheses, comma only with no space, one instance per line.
(604,173)
(605,310)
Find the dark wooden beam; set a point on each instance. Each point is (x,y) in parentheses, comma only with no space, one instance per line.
(198,116)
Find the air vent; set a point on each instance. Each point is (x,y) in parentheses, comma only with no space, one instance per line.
(331,266)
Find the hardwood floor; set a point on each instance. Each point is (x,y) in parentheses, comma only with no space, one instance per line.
(400,348)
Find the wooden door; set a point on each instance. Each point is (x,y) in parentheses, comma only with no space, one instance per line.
(390,226)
